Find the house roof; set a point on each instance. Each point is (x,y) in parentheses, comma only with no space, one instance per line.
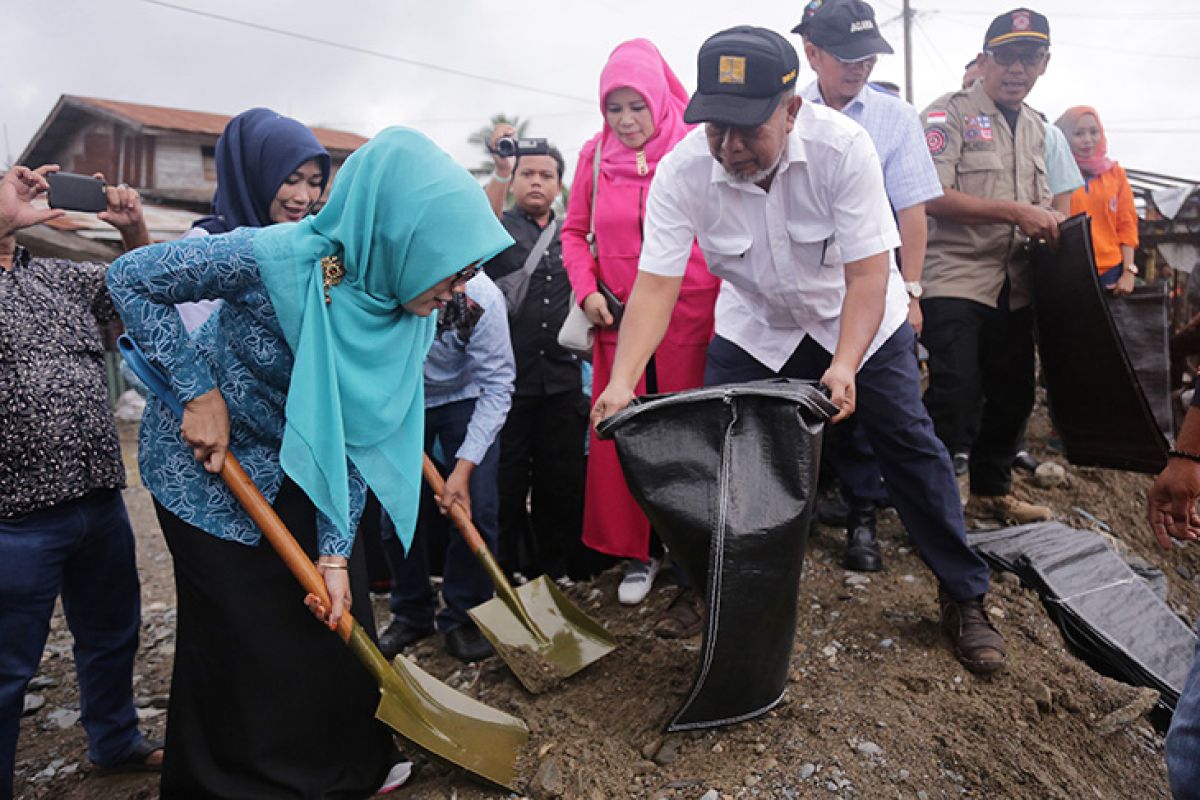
(162,118)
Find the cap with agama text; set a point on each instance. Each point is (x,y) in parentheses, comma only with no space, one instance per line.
(740,74)
(846,29)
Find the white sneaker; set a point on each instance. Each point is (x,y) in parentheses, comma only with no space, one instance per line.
(639,578)
(397,776)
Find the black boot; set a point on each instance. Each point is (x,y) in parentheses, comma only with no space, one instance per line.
(862,545)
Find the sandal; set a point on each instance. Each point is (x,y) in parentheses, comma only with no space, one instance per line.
(684,618)
(136,761)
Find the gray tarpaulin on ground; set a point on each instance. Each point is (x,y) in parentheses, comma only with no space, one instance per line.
(727,476)
(1096,401)
(1109,615)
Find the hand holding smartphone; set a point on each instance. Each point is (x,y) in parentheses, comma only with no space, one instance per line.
(71,192)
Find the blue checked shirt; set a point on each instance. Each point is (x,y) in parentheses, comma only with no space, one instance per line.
(482,369)
(909,176)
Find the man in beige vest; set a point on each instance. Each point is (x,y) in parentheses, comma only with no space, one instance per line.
(989,151)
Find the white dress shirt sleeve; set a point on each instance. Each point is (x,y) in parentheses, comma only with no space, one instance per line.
(668,228)
(863,222)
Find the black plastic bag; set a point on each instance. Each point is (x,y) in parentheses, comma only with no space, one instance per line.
(1095,399)
(727,476)
(1109,615)
(1141,320)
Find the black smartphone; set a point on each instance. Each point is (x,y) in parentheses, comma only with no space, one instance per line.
(615,306)
(72,192)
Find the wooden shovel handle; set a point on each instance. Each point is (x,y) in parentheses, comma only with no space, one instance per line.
(458,514)
(280,537)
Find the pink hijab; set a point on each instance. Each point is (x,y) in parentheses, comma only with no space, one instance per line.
(1099,163)
(638,65)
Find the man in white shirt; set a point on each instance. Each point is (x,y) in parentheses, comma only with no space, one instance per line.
(786,199)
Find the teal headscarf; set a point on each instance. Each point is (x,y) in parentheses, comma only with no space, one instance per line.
(403,216)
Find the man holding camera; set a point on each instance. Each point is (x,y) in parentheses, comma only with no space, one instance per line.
(63,525)
(787,201)
(541,445)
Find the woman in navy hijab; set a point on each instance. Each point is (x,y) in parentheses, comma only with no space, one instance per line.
(270,168)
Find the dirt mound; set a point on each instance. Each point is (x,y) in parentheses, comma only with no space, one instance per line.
(876,705)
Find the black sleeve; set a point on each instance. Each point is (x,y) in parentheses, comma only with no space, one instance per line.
(507,261)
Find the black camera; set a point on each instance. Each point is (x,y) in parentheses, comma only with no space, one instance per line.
(510,146)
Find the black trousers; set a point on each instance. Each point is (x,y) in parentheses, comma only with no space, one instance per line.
(975,352)
(265,701)
(542,470)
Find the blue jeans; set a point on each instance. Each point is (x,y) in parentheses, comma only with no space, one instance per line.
(913,462)
(465,584)
(1183,739)
(84,550)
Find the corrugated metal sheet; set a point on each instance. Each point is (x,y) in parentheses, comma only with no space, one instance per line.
(202,122)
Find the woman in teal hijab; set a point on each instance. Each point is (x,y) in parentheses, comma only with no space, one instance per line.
(312,374)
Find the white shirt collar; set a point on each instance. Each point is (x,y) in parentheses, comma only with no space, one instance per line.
(794,152)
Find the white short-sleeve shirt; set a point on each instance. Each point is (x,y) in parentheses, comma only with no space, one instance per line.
(780,254)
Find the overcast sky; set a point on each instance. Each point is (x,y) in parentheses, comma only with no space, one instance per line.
(1137,62)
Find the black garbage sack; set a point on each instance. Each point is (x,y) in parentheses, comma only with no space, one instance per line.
(727,476)
(1096,400)
(1142,323)
(1109,615)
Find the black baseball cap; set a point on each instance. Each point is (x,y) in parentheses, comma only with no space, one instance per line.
(1019,26)
(741,73)
(846,29)
(810,10)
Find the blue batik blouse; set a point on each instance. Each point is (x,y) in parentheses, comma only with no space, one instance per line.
(240,349)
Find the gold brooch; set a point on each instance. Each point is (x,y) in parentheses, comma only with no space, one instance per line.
(643,168)
(332,272)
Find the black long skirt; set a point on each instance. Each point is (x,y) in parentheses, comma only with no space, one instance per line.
(265,701)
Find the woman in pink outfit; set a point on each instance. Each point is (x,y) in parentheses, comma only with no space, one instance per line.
(642,102)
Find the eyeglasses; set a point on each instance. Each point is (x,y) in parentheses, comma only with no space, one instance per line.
(466,273)
(1007,56)
(869,62)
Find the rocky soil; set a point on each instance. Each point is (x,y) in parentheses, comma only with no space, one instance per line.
(876,706)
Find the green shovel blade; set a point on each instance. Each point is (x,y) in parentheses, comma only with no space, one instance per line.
(444,721)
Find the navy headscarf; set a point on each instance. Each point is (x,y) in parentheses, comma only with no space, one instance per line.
(257,152)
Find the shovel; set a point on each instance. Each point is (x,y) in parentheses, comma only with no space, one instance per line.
(419,707)
(541,635)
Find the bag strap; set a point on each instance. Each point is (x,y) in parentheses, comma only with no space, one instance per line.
(540,247)
(515,285)
(591,236)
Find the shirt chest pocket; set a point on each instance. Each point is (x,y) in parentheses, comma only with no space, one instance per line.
(813,244)
(978,173)
(725,253)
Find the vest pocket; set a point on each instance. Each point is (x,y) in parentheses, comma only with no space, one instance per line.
(978,172)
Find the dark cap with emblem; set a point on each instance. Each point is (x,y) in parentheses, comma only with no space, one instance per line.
(740,74)
(1019,26)
(846,29)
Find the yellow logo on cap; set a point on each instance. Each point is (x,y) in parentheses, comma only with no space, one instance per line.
(788,76)
(732,69)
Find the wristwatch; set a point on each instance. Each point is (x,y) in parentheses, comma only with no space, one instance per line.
(1132,269)
(914,289)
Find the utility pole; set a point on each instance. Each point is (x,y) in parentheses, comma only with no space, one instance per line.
(908,63)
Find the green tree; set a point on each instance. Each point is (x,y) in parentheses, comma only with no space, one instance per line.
(483,136)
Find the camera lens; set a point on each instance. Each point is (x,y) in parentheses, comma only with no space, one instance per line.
(506,147)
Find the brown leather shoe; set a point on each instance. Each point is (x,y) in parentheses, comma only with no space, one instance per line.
(684,618)
(977,644)
(1006,508)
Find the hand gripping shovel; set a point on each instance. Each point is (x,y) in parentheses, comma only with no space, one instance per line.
(536,629)
(412,702)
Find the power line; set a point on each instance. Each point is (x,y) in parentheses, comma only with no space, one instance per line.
(948,16)
(366,51)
